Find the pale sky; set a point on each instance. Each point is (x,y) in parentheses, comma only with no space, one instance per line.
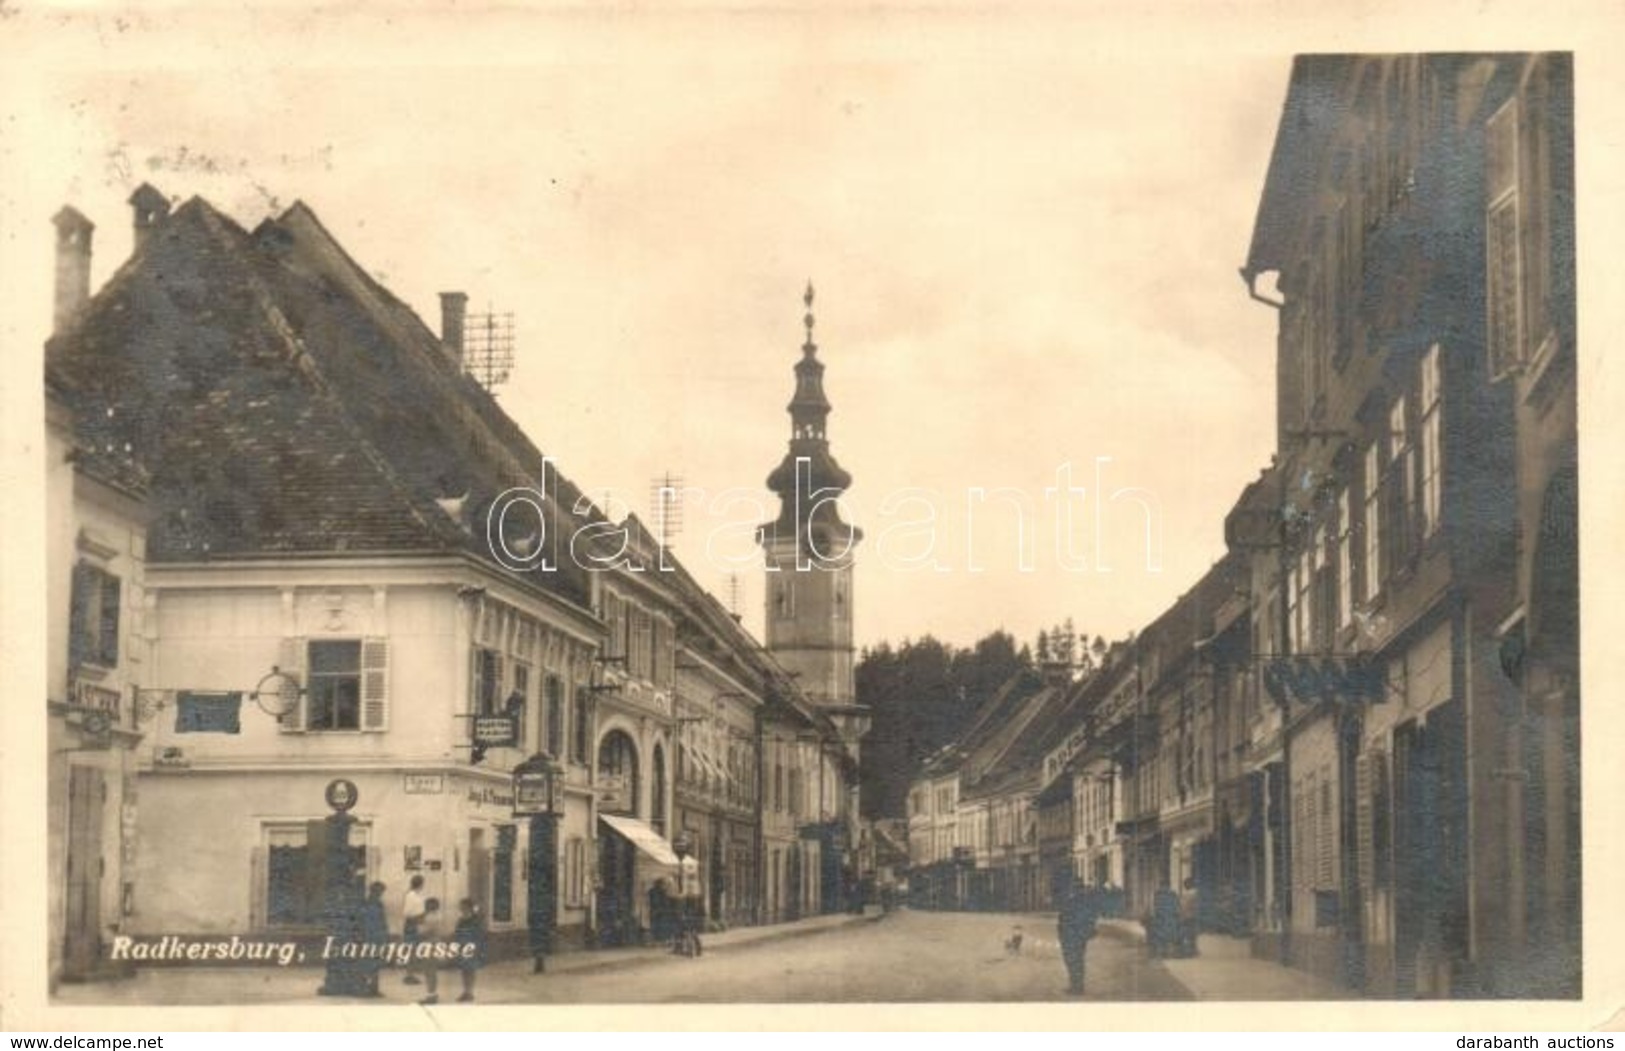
(1024,237)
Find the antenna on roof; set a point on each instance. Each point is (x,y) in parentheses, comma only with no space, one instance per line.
(666,498)
(488,347)
(733,594)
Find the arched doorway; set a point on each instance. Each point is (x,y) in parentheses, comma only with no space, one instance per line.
(617,785)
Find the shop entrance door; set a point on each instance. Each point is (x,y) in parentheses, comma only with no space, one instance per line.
(617,918)
(87,792)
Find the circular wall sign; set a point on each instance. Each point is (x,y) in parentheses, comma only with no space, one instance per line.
(342,794)
(277,694)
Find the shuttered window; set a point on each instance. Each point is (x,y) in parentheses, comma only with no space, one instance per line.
(94,617)
(1363,814)
(334,689)
(375,684)
(291,662)
(1326,855)
(1381,848)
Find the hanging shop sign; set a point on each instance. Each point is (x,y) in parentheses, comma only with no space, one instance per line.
(496,731)
(1310,680)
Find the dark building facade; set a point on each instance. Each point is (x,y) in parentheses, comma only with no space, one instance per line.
(1418,216)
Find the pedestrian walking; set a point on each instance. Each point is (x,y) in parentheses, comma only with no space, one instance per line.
(469,935)
(1162,926)
(374,935)
(660,910)
(428,933)
(1189,919)
(412,909)
(1079,912)
(688,916)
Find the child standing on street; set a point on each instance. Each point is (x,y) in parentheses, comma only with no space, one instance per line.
(429,928)
(470,931)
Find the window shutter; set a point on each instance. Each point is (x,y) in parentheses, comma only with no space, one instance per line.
(291,661)
(1504,262)
(79,615)
(375,684)
(256,889)
(1380,844)
(107,639)
(1362,803)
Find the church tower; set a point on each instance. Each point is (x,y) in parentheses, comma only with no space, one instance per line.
(810,549)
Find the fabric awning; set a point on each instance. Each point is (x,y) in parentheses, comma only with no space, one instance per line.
(641,835)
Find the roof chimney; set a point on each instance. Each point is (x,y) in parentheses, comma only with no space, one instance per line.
(151,209)
(73,232)
(453,309)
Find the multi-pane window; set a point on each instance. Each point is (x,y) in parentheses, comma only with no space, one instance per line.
(94,617)
(334,690)
(580,724)
(1429,428)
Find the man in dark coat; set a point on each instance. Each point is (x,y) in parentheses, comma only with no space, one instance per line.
(1076,924)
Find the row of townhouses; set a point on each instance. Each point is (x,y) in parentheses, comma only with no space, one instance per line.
(296,549)
(1355,740)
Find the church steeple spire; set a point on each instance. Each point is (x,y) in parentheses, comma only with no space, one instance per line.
(810,548)
(809,410)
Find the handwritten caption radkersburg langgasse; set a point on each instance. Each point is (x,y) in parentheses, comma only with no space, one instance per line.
(239,950)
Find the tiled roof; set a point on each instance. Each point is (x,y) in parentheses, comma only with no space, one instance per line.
(96,455)
(286,403)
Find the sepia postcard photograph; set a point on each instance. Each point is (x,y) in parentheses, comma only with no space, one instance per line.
(546,507)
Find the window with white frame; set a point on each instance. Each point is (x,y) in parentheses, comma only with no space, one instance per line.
(1429,427)
(333,693)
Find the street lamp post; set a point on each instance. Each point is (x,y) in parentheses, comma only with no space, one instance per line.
(536,796)
(340,898)
(688,941)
